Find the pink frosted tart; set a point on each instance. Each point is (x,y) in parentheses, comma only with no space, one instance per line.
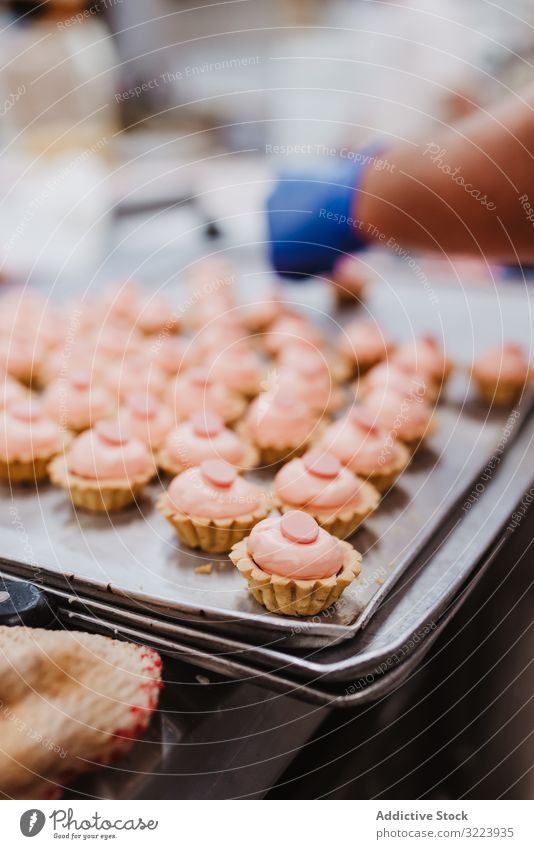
(363,345)
(317,483)
(104,468)
(303,356)
(310,379)
(290,329)
(407,417)
(77,401)
(258,315)
(387,377)
(502,374)
(28,441)
(11,390)
(114,341)
(147,419)
(137,374)
(350,279)
(295,567)
(204,437)
(368,450)
(212,507)
(216,337)
(280,424)
(157,314)
(424,356)
(197,391)
(120,301)
(240,369)
(171,355)
(21,357)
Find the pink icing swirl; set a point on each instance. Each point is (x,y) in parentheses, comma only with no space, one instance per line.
(423,355)
(196,391)
(190,443)
(195,493)
(506,362)
(363,449)
(107,452)
(279,418)
(26,432)
(11,390)
(392,378)
(146,419)
(239,368)
(76,401)
(276,554)
(405,416)
(292,329)
(363,342)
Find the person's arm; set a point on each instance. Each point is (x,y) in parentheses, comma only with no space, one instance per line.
(468,190)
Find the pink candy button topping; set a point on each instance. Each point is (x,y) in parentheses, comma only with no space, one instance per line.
(206,424)
(80,379)
(114,433)
(322,465)
(299,527)
(218,472)
(25,411)
(200,377)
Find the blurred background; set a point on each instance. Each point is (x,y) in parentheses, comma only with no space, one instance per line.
(128,127)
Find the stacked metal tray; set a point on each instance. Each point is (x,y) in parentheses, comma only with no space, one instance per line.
(127,573)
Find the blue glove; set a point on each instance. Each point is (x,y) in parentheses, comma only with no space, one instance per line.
(311,218)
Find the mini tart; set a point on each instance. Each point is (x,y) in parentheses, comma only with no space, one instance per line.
(171,355)
(147,419)
(197,391)
(258,315)
(368,450)
(280,425)
(157,314)
(502,374)
(362,346)
(318,477)
(349,280)
(136,374)
(424,356)
(104,469)
(239,368)
(305,371)
(306,358)
(11,391)
(204,437)
(290,329)
(216,489)
(21,357)
(28,441)
(408,418)
(287,593)
(385,377)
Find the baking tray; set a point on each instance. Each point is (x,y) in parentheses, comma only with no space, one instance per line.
(400,633)
(132,560)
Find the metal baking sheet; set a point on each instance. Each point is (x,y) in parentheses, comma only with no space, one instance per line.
(133,560)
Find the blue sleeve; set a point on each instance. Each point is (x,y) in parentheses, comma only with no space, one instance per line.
(311,218)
